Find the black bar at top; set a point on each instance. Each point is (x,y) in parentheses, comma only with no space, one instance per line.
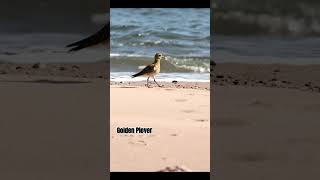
(160,3)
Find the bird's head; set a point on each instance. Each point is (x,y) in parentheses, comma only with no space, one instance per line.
(158,56)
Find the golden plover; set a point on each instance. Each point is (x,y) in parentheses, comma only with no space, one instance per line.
(151,70)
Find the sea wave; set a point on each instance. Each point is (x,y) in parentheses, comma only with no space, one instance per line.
(165,77)
(169,65)
(288,18)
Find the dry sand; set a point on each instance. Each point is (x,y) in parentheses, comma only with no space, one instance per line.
(52,127)
(267,128)
(179,118)
(265,122)
(69,98)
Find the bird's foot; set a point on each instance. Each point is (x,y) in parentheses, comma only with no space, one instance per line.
(159,85)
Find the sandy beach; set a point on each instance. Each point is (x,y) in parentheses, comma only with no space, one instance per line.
(264,124)
(52,127)
(75,94)
(265,121)
(179,118)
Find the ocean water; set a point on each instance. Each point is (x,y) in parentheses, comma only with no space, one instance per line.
(182,35)
(266,49)
(38,31)
(266,31)
(288,18)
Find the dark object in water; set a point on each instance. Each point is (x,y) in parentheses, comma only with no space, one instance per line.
(174,82)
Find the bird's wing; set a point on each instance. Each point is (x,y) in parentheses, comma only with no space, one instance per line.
(147,69)
(97,38)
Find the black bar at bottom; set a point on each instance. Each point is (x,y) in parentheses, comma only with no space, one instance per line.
(166,175)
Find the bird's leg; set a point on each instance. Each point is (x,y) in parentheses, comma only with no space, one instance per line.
(148,82)
(156,81)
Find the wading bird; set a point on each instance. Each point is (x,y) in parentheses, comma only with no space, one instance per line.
(151,70)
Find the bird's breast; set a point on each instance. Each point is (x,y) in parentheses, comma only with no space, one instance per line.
(157,69)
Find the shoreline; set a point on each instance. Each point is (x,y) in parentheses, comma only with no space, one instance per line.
(175,84)
(301,77)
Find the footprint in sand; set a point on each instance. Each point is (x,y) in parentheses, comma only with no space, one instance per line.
(181,100)
(169,89)
(140,143)
(201,120)
(188,111)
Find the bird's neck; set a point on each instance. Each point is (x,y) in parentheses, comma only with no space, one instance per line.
(156,61)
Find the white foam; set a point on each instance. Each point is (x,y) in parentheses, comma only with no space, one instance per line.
(164,77)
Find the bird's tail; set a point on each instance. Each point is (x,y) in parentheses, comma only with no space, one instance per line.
(136,75)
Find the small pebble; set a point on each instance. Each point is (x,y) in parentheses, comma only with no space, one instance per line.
(36,66)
